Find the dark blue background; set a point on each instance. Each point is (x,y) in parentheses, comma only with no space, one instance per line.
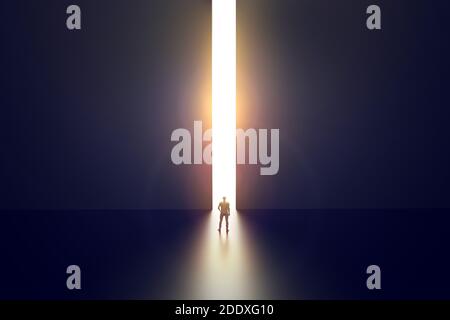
(85,128)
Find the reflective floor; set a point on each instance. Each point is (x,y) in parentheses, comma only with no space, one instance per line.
(272,254)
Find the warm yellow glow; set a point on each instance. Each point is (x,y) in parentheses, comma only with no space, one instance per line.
(224,101)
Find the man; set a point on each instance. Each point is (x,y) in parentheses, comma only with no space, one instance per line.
(224,208)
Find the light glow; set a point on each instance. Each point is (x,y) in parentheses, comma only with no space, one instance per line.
(223,266)
(224,102)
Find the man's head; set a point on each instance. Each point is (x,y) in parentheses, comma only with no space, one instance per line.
(224,199)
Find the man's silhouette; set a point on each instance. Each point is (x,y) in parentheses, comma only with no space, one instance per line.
(224,208)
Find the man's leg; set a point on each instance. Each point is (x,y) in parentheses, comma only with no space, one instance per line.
(220,223)
(226,220)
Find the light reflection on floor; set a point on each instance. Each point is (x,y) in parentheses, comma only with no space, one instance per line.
(224,266)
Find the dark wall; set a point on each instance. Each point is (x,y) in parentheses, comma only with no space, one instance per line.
(86,116)
(363,115)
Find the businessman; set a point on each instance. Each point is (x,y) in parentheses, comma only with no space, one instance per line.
(224,208)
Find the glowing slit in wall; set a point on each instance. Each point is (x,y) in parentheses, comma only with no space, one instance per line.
(224,101)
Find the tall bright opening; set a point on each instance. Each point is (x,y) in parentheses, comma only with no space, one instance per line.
(224,101)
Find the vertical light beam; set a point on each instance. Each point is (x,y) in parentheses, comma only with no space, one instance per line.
(224,101)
